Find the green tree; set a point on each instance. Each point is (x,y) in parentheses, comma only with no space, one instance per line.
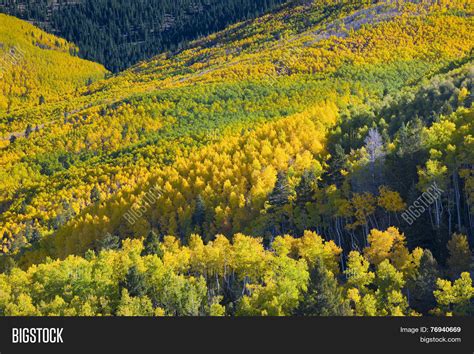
(278,200)
(455,298)
(305,189)
(422,284)
(28,130)
(358,274)
(7,263)
(109,242)
(36,236)
(130,306)
(199,214)
(324,296)
(96,195)
(281,193)
(389,283)
(151,245)
(460,255)
(134,282)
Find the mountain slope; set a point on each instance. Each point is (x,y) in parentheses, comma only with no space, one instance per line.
(36,67)
(328,118)
(146,123)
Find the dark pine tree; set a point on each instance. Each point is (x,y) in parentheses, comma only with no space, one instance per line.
(281,193)
(278,218)
(96,196)
(134,282)
(422,285)
(36,236)
(109,242)
(199,215)
(151,245)
(7,263)
(305,189)
(28,130)
(324,297)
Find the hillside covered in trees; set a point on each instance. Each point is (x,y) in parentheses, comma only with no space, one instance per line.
(120,33)
(316,161)
(36,66)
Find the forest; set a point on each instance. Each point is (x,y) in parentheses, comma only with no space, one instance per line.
(314,161)
(120,33)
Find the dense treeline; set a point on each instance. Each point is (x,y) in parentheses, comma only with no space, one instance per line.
(325,118)
(296,276)
(409,143)
(120,33)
